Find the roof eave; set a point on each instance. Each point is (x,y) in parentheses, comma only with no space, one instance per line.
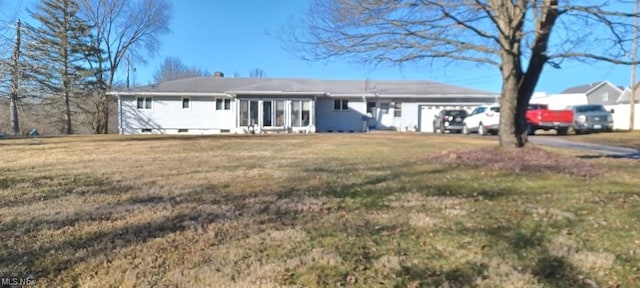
(142,93)
(382,95)
(261,93)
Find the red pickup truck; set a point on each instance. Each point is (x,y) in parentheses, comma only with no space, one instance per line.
(540,117)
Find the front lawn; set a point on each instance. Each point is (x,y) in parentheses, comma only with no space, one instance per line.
(323,210)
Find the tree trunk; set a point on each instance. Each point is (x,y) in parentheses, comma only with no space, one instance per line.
(15,123)
(15,82)
(67,111)
(105,112)
(518,86)
(510,123)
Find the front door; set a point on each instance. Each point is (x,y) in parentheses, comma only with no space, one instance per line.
(267,113)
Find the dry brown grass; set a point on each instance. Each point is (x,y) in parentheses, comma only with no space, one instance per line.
(370,210)
(630,139)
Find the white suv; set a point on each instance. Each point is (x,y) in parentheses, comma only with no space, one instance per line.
(484,119)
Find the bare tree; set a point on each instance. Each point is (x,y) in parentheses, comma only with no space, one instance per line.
(121,28)
(16,77)
(512,36)
(173,69)
(257,73)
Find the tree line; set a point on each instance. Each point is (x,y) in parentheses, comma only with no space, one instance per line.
(59,66)
(64,61)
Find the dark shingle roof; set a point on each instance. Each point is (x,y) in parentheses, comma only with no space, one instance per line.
(249,86)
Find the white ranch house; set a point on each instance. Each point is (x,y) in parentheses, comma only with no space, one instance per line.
(213,105)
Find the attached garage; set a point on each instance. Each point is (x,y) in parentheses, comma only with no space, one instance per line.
(428,112)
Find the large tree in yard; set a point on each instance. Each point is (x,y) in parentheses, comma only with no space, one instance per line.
(121,29)
(54,51)
(518,37)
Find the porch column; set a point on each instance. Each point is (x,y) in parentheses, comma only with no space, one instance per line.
(312,112)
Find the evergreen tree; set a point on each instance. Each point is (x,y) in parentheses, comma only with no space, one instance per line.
(56,51)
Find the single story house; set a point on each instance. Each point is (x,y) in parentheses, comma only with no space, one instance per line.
(211,105)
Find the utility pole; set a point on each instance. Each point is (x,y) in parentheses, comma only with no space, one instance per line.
(15,82)
(128,68)
(632,99)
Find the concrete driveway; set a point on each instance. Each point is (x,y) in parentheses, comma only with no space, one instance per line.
(565,142)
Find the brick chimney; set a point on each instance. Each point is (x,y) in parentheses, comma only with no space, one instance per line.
(218,74)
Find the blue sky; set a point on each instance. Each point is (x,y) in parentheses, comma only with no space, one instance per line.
(238,36)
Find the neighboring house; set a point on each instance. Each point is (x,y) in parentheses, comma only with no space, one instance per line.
(559,101)
(604,92)
(614,98)
(211,105)
(621,110)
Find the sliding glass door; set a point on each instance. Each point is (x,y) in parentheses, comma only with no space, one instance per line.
(273,113)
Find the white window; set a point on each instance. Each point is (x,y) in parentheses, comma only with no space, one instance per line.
(248,112)
(397,112)
(186,103)
(605,97)
(300,113)
(144,102)
(340,104)
(223,104)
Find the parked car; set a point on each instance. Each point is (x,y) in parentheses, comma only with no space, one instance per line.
(485,119)
(540,117)
(591,118)
(449,120)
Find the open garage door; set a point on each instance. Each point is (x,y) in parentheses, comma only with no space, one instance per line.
(429,112)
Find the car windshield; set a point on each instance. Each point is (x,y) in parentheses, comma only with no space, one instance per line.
(456,113)
(590,108)
(478,110)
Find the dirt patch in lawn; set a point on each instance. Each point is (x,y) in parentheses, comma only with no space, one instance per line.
(523,160)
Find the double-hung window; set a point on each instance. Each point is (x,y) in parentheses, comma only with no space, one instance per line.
(340,104)
(397,111)
(223,104)
(144,103)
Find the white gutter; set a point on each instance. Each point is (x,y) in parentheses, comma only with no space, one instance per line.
(284,93)
(351,95)
(140,93)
